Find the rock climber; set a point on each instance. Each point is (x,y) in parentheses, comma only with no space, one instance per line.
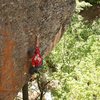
(37,60)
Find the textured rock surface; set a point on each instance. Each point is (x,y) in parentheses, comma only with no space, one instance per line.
(20,21)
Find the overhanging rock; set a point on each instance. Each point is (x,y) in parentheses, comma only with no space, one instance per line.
(20,21)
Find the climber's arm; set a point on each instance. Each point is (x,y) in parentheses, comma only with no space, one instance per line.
(37,41)
(37,48)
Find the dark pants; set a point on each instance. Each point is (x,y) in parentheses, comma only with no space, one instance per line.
(33,70)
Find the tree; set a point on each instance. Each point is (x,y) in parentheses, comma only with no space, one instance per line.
(77,57)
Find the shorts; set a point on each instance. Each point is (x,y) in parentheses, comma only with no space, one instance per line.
(33,70)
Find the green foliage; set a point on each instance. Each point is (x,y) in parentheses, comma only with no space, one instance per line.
(78,62)
(81,5)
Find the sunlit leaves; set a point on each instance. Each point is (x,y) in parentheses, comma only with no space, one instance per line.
(78,58)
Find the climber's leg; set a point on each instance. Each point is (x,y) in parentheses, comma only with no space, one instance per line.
(33,71)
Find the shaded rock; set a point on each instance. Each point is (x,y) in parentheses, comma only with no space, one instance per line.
(91,13)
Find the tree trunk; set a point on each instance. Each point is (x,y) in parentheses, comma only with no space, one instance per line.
(20,21)
(25,92)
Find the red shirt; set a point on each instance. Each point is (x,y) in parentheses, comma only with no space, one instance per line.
(37,58)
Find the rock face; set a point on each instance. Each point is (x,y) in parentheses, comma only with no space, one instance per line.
(20,21)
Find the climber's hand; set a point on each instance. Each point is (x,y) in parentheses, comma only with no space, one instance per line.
(33,65)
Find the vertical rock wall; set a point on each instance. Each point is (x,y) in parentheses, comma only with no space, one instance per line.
(20,21)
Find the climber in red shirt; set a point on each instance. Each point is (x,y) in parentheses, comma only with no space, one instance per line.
(37,59)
